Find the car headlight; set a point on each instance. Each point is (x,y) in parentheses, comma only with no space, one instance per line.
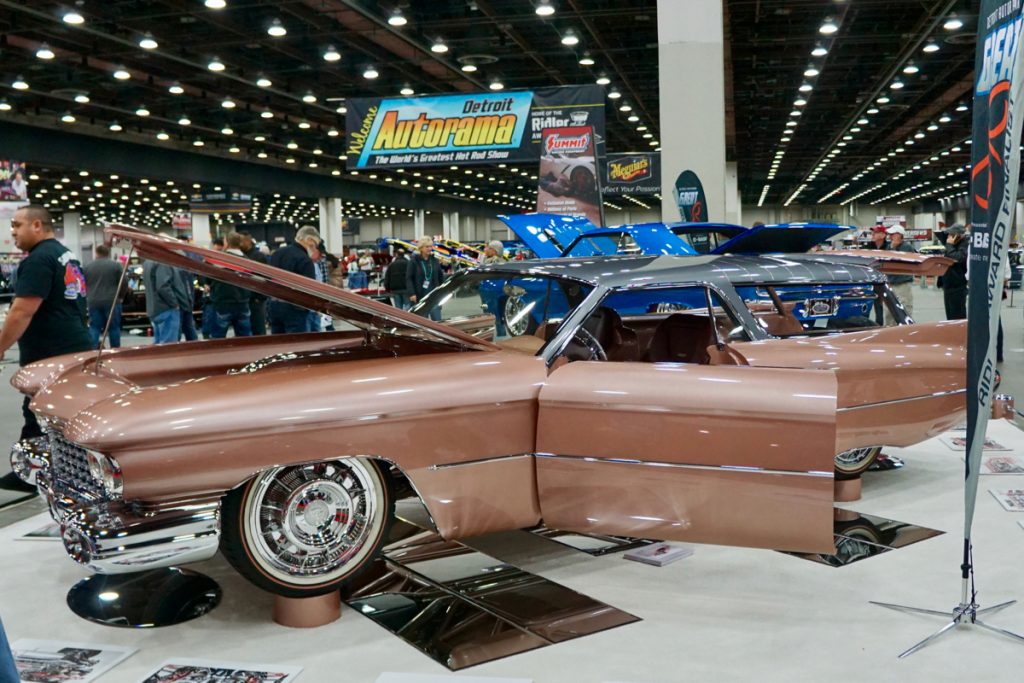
(105,470)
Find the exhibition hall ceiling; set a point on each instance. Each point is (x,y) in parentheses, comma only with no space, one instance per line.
(827,100)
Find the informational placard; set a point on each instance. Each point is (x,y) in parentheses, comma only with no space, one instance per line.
(567,181)
(689,196)
(638,173)
(466,129)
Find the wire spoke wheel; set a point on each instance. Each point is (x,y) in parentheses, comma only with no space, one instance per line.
(856,460)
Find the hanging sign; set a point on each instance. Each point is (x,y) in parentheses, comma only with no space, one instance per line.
(567,181)
(631,174)
(477,128)
(689,194)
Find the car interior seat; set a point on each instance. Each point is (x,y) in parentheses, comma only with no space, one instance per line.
(682,338)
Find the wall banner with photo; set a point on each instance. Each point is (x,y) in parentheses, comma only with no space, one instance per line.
(567,181)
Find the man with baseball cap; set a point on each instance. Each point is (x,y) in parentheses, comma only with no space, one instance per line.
(901,285)
(877,237)
(954,280)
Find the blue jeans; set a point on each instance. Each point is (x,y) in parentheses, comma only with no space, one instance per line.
(8,672)
(98,320)
(401,301)
(238,320)
(188,325)
(358,280)
(167,327)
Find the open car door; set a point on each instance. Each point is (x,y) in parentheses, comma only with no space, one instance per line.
(784,238)
(547,235)
(730,455)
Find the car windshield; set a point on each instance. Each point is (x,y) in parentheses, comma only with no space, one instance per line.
(808,309)
(515,310)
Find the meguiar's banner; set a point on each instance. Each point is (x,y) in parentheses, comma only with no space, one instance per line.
(635,173)
(995,160)
(477,128)
(567,183)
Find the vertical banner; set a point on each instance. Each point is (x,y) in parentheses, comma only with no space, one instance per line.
(13,194)
(995,161)
(690,199)
(567,181)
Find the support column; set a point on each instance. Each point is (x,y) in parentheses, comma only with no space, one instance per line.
(73,234)
(419,221)
(330,223)
(733,206)
(201,229)
(692,123)
(452,230)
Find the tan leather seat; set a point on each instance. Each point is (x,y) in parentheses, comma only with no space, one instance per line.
(682,338)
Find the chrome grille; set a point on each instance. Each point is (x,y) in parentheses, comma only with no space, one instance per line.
(70,469)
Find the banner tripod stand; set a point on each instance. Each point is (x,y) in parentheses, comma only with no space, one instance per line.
(964,614)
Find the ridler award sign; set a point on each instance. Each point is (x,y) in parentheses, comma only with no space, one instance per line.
(478,128)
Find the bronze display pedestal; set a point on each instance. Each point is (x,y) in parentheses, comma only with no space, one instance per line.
(847,490)
(307,612)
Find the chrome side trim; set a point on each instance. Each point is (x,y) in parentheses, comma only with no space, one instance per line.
(688,466)
(480,461)
(937,394)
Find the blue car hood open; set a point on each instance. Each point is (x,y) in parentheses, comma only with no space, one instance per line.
(784,238)
(546,235)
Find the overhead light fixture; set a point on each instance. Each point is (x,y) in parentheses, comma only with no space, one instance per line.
(304,125)
(625,108)
(439,47)
(292,145)
(795,112)
(603,80)
(872,111)
(215,4)
(122,74)
(72,17)
(407,91)
(932,127)
(790,124)
(614,94)
(277,29)
(896,85)
(910,68)
(819,51)
(496,85)
(184,121)
(883,100)
(260,138)
(20,84)
(799,102)
(44,52)
(234,150)
(811,72)
(544,8)
(370,73)
(633,118)
(805,87)
(944,118)
(162,136)
(342,109)
(953,23)
(829,27)
(331,54)
(227,130)
(469,68)
(309,97)
(142,111)
(962,107)
(397,18)
(175,89)
(228,103)
(147,42)
(115,127)
(197,143)
(82,98)
(333,133)
(68,117)
(930,46)
(570,38)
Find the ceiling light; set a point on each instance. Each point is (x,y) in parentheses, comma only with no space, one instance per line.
(785,139)
(961,107)
(370,73)
(121,74)
(407,91)
(162,136)
(277,29)
(142,111)
(614,95)
(147,42)
(933,127)
(342,109)
(544,8)
(197,143)
(625,108)
(439,47)
(260,138)
(115,127)
(292,145)
(633,118)
(82,98)
(811,72)
(603,80)
(910,68)
(871,111)
(469,68)
(184,121)
(175,89)
(883,100)
(264,82)
(309,97)
(234,150)
(228,103)
(896,85)
(570,38)
(795,112)
(215,4)
(333,132)
(331,54)
(829,27)
(44,52)
(931,46)
(586,60)
(819,51)
(799,102)
(953,23)
(68,117)
(304,125)
(496,85)
(805,87)
(397,18)
(227,130)
(215,65)
(790,124)
(73,17)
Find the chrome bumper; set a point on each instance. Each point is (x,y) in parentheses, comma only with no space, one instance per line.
(112,537)
(29,457)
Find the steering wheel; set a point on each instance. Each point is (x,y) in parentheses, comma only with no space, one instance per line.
(588,341)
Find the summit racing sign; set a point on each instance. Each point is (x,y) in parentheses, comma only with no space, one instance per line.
(566,144)
(479,128)
(632,174)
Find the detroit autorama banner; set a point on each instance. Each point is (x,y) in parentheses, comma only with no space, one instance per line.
(477,128)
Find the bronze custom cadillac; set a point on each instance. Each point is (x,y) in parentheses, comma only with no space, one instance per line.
(639,396)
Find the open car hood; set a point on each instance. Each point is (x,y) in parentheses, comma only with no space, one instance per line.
(887,261)
(784,238)
(546,234)
(289,287)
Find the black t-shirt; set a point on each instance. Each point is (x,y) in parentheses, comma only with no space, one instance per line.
(52,273)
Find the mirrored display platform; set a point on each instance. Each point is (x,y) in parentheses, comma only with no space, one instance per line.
(859,536)
(160,597)
(591,544)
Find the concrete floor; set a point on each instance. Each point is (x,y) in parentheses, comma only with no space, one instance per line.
(724,614)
